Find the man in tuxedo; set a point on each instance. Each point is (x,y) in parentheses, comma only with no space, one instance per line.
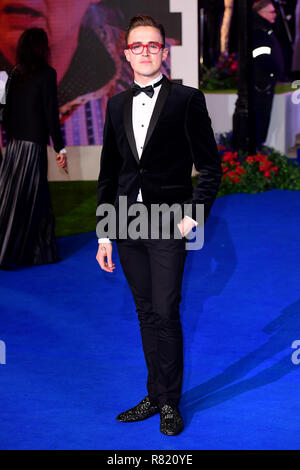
(153,134)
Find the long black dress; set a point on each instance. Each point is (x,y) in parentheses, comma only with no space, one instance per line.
(26,214)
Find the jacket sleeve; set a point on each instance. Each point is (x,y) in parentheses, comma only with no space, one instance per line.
(110,165)
(50,104)
(204,153)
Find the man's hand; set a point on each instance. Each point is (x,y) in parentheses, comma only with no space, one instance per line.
(186,226)
(104,257)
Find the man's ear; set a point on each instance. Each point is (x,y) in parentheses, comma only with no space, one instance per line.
(165,54)
(127,54)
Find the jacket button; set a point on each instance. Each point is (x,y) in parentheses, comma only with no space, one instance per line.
(142,170)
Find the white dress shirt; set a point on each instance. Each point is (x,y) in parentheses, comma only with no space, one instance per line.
(142,109)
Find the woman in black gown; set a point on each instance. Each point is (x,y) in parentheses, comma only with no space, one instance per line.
(30,116)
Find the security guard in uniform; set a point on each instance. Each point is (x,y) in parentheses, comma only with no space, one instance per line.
(268,65)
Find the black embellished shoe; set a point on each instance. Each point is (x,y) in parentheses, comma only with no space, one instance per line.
(145,409)
(170,420)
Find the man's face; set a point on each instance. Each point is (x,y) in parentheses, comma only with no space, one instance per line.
(269,13)
(59,18)
(145,65)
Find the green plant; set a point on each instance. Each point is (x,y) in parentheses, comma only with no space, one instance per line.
(223,76)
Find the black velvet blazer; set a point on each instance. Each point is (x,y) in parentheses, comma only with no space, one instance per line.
(179,135)
(31,112)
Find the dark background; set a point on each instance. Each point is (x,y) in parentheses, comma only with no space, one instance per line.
(159,11)
(289,8)
(172,21)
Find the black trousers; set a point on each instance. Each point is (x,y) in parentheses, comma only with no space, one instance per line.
(154,271)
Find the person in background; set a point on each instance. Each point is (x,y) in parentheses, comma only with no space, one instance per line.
(30,116)
(268,65)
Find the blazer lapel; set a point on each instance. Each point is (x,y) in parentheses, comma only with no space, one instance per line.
(160,102)
(127,118)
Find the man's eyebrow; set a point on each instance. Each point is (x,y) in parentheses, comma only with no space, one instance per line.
(141,42)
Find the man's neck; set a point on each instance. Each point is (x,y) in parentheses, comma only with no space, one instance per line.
(144,81)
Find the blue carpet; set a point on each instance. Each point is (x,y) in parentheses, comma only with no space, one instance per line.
(74,356)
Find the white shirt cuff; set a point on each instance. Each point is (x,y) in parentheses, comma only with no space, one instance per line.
(104,240)
(188,217)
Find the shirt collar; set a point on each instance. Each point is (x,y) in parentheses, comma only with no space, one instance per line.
(157,79)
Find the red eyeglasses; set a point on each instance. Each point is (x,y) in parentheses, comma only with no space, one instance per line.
(152,47)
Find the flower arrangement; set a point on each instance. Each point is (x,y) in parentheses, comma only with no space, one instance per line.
(223,76)
(265,170)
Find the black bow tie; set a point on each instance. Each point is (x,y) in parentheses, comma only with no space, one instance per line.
(149,90)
